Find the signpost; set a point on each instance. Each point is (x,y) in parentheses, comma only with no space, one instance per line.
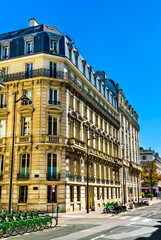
(53,190)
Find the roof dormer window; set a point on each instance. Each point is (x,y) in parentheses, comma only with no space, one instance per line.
(5,52)
(53,46)
(29,44)
(29,47)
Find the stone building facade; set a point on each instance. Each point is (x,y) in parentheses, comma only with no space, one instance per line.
(70,103)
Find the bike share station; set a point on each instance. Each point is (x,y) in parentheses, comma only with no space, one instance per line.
(14,223)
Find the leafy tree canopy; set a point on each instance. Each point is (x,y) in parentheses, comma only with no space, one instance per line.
(150,175)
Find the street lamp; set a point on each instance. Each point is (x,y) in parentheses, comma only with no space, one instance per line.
(123,187)
(88,172)
(23,99)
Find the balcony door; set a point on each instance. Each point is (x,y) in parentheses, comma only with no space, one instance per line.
(24,165)
(29,70)
(52,166)
(52,70)
(53,96)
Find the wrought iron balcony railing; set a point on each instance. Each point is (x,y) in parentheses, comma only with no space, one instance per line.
(53,177)
(54,102)
(43,72)
(24,176)
(1,176)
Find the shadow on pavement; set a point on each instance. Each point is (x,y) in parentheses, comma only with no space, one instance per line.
(155,235)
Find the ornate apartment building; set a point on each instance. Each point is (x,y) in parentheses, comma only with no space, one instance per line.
(70,105)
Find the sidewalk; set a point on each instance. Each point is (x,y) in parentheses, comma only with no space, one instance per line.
(63,217)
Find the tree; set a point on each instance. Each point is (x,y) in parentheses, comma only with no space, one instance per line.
(150,175)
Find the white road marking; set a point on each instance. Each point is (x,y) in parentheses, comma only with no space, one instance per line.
(135,218)
(98,237)
(124,217)
(72,216)
(146,220)
(131,223)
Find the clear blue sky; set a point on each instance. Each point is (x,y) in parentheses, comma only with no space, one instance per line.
(121,37)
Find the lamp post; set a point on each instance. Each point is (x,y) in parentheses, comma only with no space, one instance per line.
(88,172)
(123,187)
(23,99)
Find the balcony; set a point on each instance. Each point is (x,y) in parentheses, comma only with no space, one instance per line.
(3,105)
(54,102)
(75,141)
(43,72)
(72,177)
(103,181)
(111,182)
(23,176)
(117,182)
(91,179)
(53,177)
(2,141)
(24,139)
(107,181)
(98,180)
(1,176)
(78,178)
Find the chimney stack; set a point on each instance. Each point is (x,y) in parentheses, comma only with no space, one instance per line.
(33,22)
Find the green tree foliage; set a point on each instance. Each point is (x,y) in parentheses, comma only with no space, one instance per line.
(150,175)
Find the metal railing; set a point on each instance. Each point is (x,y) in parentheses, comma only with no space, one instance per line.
(44,72)
(54,102)
(24,176)
(53,177)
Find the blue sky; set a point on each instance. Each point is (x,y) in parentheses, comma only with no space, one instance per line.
(121,37)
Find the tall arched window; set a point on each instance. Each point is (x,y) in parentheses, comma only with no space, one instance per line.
(24,165)
(1,164)
(52,166)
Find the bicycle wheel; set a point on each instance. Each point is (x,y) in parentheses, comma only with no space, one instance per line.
(7,231)
(24,228)
(53,222)
(43,224)
(31,227)
(1,230)
(16,229)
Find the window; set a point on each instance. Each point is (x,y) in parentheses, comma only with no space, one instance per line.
(78,193)
(76,61)
(71,193)
(26,126)
(24,165)
(5,70)
(90,76)
(3,100)
(84,70)
(51,196)
(1,164)
(29,47)
(29,70)
(2,128)
(70,54)
(53,46)
(27,93)
(53,97)
(5,53)
(144,157)
(52,167)
(52,130)
(53,70)
(23,193)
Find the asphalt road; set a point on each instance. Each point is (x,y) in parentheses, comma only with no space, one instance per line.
(140,224)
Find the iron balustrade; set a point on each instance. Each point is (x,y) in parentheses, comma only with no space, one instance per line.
(3,105)
(78,178)
(103,181)
(54,102)
(44,72)
(1,176)
(24,176)
(98,180)
(91,179)
(53,177)
(71,177)
(107,181)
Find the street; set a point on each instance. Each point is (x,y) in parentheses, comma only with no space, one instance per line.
(142,223)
